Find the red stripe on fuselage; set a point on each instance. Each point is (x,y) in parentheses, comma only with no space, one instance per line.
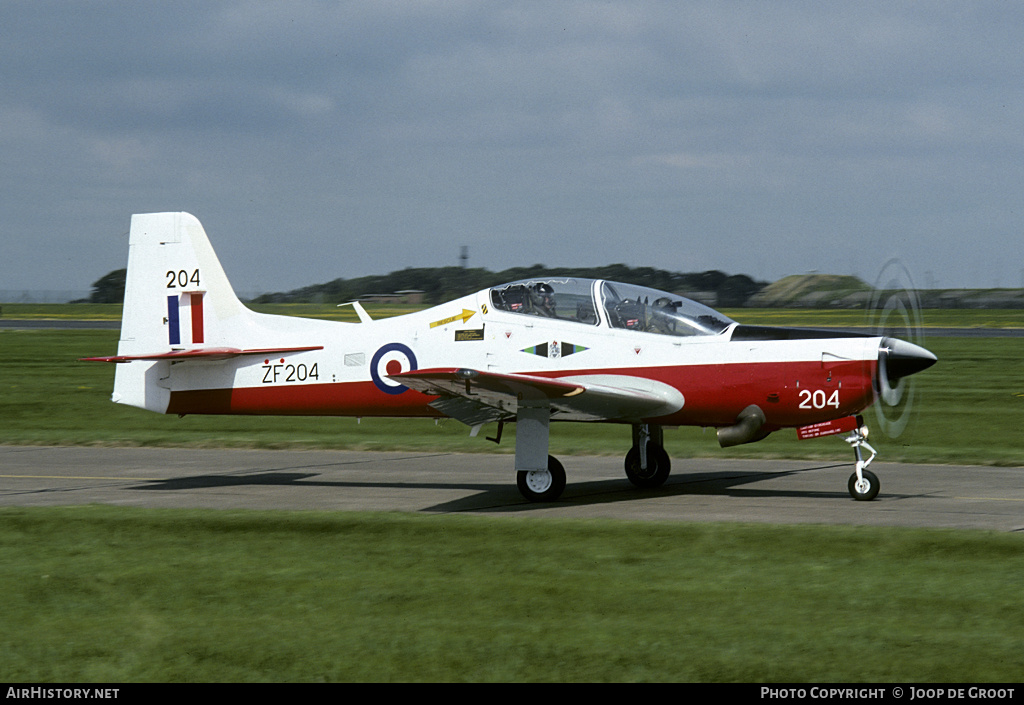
(714,394)
(329,399)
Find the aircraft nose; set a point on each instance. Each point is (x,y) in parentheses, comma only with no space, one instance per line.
(899,358)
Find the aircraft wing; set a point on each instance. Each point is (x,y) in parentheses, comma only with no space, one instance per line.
(201,354)
(475,397)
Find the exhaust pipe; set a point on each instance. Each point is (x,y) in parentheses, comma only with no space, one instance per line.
(747,429)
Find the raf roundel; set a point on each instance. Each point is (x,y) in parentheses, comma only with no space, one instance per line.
(389,360)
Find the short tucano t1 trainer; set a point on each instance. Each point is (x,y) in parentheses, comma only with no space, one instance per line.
(531,352)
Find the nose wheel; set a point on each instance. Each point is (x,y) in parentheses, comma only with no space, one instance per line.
(863,484)
(865,487)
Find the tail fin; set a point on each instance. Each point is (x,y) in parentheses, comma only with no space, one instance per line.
(176,298)
(176,293)
(180,307)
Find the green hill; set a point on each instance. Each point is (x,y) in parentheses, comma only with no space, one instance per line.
(814,291)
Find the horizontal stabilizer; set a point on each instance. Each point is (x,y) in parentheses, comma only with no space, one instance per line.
(210,354)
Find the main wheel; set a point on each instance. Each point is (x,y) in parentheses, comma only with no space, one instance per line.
(866,489)
(542,485)
(657,470)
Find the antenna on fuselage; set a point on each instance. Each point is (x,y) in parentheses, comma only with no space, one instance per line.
(364,317)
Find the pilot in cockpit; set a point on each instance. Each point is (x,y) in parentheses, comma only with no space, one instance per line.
(663,316)
(542,299)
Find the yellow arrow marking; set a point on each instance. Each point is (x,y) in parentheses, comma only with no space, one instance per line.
(465,316)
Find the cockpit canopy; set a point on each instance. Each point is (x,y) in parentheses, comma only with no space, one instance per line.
(598,302)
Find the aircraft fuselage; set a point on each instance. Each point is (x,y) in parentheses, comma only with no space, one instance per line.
(795,381)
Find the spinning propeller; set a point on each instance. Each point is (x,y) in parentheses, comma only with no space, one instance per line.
(894,312)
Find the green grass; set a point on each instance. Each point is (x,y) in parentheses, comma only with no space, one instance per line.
(936,318)
(113,594)
(968,410)
(112,312)
(122,595)
(54,312)
(930,318)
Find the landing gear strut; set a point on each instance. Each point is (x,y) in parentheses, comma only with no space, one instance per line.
(647,463)
(540,477)
(863,484)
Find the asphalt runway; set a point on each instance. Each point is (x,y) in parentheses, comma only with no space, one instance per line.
(771,491)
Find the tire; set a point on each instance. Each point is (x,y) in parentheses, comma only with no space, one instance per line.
(658,467)
(866,490)
(542,485)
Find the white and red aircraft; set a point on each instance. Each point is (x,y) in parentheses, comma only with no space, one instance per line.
(532,351)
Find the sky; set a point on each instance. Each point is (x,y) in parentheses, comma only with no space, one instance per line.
(318,140)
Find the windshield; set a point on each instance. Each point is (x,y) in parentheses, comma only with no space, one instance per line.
(652,311)
(565,299)
(625,306)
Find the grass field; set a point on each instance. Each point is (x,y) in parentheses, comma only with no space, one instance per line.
(128,595)
(936,318)
(113,594)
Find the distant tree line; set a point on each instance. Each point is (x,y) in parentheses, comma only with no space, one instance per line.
(108,289)
(440,284)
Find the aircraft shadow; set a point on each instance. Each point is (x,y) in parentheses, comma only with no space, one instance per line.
(294,479)
(724,483)
(502,495)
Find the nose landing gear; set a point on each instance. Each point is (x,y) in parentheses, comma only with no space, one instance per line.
(863,484)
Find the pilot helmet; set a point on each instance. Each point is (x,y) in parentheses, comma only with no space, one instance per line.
(543,295)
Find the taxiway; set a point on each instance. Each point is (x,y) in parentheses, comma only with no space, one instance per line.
(773,491)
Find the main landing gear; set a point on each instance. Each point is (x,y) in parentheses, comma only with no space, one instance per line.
(542,485)
(541,478)
(647,463)
(863,484)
